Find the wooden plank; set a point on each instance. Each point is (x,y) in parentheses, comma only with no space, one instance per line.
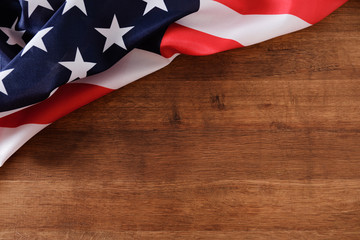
(256,143)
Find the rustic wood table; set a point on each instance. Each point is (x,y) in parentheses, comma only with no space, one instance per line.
(261,142)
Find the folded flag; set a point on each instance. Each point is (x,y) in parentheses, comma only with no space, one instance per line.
(56,55)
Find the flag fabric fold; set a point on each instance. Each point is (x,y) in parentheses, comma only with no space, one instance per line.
(56,55)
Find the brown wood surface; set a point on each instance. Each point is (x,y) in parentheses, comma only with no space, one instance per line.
(255,143)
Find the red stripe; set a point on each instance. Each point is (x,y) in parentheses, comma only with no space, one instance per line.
(311,11)
(66,99)
(180,39)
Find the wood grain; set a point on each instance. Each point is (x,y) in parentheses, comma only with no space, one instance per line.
(255,143)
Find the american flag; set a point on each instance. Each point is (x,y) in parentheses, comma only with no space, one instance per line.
(58,55)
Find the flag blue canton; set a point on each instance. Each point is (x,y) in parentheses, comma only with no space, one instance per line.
(66,40)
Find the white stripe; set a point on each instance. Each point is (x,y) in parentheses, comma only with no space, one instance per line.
(134,65)
(219,20)
(11,139)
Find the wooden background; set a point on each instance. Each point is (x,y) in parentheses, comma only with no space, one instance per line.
(255,143)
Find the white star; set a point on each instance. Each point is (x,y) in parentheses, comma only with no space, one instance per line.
(78,67)
(114,34)
(33,4)
(151,4)
(15,37)
(37,41)
(3,75)
(75,3)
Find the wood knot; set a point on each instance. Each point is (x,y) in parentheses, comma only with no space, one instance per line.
(264,106)
(175,118)
(218,102)
(280,126)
